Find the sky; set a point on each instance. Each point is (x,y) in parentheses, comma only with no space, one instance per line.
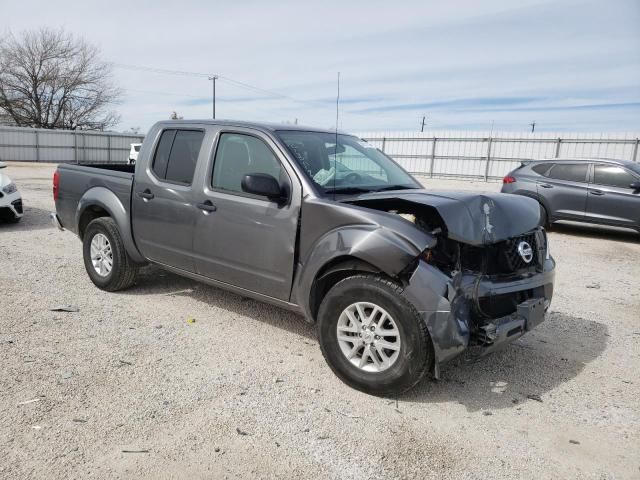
(463,65)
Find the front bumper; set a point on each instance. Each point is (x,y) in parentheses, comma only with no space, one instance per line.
(11,204)
(475,310)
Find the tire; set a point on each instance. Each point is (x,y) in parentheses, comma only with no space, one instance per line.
(12,219)
(415,353)
(123,270)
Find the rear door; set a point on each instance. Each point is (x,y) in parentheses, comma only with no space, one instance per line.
(242,239)
(611,199)
(163,212)
(564,187)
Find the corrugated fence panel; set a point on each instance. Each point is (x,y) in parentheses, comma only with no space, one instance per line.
(491,155)
(43,145)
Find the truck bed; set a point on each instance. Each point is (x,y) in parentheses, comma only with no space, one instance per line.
(114,167)
(76,180)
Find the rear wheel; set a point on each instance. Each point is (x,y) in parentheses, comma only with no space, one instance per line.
(372,337)
(105,257)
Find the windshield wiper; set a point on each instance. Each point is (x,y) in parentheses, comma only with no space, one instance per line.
(395,187)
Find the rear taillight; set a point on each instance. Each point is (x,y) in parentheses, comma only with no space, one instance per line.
(56,185)
(509,179)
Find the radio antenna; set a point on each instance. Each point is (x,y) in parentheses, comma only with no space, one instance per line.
(335,152)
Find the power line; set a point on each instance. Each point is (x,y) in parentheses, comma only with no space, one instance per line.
(237,83)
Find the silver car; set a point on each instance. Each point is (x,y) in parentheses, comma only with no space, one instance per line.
(605,192)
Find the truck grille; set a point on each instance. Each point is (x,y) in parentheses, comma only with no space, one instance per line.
(513,257)
(502,257)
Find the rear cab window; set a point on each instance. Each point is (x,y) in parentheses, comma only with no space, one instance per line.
(176,155)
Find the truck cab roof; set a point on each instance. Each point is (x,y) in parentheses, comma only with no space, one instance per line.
(263,126)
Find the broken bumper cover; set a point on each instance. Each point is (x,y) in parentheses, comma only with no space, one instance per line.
(469,309)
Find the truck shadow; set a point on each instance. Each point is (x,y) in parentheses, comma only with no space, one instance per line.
(557,351)
(154,280)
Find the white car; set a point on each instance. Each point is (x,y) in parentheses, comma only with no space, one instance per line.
(10,199)
(133,153)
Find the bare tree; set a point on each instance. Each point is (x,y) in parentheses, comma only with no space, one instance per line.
(51,79)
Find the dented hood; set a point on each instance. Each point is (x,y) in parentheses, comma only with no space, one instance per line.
(472,218)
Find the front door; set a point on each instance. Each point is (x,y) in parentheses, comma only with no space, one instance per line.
(241,239)
(611,199)
(162,207)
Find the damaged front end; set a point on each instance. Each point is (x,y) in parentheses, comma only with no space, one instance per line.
(489,277)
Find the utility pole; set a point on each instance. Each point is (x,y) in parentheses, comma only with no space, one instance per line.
(423,119)
(214,78)
(533,126)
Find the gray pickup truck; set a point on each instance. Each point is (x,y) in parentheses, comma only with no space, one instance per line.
(397,279)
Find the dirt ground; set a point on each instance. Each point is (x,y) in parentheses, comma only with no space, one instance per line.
(128,388)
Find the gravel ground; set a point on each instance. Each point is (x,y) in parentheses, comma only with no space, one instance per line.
(128,388)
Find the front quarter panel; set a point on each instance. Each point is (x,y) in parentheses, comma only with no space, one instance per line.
(331,230)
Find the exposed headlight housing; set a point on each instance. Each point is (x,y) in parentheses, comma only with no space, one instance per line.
(11,188)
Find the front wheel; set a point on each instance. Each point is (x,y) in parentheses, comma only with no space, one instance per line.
(372,337)
(105,257)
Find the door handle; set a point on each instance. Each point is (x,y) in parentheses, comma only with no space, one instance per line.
(146,195)
(207,207)
(596,192)
(545,185)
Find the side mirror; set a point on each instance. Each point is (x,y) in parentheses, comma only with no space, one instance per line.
(263,184)
(635,186)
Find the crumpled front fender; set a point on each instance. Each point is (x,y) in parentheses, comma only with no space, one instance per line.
(375,245)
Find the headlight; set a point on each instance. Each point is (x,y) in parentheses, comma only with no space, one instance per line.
(10,188)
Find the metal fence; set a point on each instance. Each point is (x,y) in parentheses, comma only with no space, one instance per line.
(490,156)
(60,146)
(482,155)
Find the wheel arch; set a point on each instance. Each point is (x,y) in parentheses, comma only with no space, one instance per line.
(345,250)
(101,202)
(331,273)
(541,200)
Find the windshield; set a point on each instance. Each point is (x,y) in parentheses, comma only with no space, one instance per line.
(352,166)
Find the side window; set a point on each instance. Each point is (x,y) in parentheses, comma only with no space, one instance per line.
(612,176)
(542,168)
(184,156)
(177,154)
(572,172)
(161,157)
(238,155)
